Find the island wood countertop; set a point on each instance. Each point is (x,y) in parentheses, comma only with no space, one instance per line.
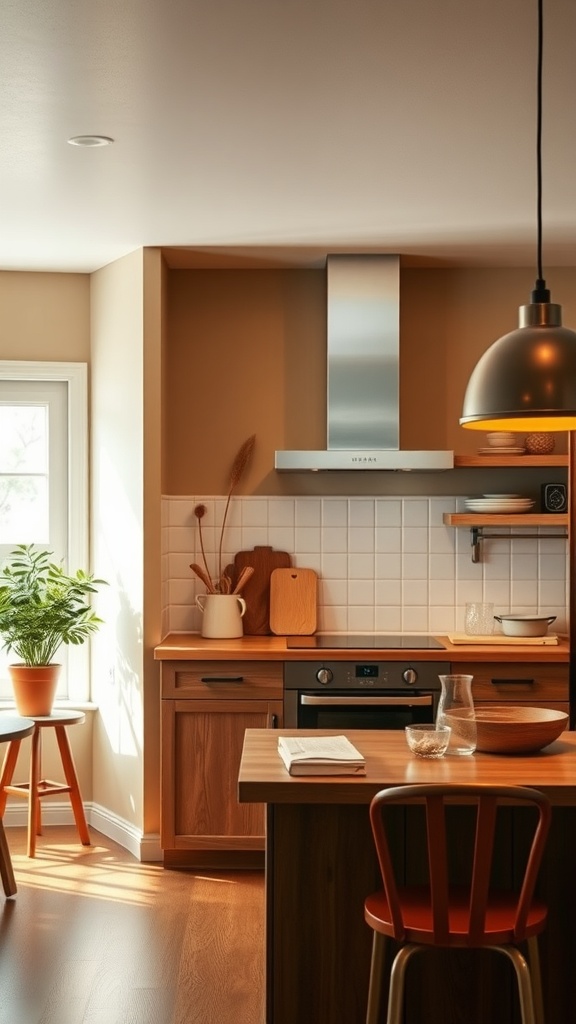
(389,762)
(193,647)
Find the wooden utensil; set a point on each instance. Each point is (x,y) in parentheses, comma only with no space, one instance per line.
(203,575)
(243,578)
(256,591)
(293,597)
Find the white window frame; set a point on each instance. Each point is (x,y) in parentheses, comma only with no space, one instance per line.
(75,376)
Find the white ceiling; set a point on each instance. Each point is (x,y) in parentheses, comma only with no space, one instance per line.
(404,126)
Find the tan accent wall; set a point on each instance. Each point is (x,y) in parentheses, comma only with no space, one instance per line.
(244,356)
(247,354)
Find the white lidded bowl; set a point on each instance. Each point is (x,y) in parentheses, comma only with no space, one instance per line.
(525,625)
(501,439)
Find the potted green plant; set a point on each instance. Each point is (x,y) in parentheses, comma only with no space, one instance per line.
(41,608)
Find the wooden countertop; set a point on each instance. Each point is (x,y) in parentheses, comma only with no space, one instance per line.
(389,762)
(193,647)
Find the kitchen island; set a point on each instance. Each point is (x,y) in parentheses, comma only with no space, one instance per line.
(320,865)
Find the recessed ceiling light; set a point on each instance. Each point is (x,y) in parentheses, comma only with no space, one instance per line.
(90,140)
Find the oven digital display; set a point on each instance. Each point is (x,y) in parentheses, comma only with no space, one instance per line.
(366,671)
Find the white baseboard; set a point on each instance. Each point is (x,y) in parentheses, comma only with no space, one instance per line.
(143,847)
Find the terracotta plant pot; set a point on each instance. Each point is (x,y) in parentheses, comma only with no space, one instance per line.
(34,688)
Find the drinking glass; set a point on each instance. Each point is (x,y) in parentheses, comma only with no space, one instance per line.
(479,618)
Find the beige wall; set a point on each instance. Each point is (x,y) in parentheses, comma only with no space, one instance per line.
(154,333)
(126,329)
(117,528)
(45,316)
(247,354)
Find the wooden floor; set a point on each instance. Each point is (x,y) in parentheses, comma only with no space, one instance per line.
(95,937)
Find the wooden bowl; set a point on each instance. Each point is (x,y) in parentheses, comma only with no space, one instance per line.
(517,730)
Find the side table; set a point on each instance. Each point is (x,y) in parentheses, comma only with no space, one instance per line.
(37,788)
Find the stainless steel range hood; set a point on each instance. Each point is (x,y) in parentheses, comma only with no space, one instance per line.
(363,373)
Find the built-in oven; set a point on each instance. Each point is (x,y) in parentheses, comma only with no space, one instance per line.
(363,691)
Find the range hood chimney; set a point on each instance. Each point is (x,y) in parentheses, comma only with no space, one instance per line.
(363,373)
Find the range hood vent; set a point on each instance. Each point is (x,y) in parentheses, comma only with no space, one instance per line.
(363,374)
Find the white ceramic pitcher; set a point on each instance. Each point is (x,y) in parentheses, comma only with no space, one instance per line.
(221,615)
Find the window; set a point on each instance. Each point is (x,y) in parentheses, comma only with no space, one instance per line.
(44,480)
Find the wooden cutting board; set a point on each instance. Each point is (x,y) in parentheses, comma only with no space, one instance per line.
(497,639)
(293,598)
(256,592)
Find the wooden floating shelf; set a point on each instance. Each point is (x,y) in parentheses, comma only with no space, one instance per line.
(510,460)
(551,519)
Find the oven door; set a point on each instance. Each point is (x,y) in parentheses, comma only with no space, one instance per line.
(351,710)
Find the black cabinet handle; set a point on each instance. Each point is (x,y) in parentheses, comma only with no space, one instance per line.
(513,682)
(273,721)
(222,679)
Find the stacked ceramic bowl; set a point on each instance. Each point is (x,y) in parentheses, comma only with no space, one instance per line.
(510,504)
(503,442)
(501,438)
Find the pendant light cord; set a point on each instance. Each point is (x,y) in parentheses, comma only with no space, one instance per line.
(540,293)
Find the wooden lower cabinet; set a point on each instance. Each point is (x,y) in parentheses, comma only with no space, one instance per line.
(529,684)
(202,737)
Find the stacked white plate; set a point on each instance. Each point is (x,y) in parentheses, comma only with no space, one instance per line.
(500,450)
(489,503)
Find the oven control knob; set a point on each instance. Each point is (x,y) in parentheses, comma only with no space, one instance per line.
(324,676)
(410,676)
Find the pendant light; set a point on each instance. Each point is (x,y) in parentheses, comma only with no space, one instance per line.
(527,379)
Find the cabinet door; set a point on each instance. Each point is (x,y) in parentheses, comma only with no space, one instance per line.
(201,748)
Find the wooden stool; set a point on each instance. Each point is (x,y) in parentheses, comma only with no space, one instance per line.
(12,728)
(37,788)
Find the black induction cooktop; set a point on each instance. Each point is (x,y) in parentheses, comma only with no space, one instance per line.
(365,641)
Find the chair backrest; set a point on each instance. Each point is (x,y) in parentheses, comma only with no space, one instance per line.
(440,837)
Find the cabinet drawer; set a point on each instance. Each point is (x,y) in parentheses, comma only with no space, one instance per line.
(222,679)
(519,683)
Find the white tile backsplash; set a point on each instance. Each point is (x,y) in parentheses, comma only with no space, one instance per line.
(385,564)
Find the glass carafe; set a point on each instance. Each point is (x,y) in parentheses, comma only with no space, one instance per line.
(456,709)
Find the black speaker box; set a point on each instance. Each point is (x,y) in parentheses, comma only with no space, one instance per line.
(554,498)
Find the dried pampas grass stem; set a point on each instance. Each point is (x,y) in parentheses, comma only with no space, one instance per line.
(222,584)
(200,511)
(239,466)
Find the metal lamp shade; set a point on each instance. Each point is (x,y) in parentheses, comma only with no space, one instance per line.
(527,379)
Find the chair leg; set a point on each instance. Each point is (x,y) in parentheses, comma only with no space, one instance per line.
(535,974)
(376,977)
(397,976)
(524,982)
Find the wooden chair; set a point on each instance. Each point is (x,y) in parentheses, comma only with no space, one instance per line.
(439,914)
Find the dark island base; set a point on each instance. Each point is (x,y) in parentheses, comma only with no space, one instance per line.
(320,866)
